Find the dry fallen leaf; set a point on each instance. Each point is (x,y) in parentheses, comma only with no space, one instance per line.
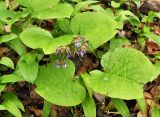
(37,112)
(151,103)
(147,95)
(155,91)
(141,114)
(152,48)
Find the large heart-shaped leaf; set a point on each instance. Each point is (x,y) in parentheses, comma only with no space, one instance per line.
(47,9)
(56,86)
(126,71)
(35,37)
(39,38)
(38,5)
(97,27)
(59,11)
(129,63)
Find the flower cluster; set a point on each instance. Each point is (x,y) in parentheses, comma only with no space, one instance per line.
(77,47)
(63,51)
(61,63)
(80,45)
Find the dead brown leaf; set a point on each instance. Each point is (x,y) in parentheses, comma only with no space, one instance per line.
(141,114)
(152,48)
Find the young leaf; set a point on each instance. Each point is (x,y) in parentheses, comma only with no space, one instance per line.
(155,112)
(12,108)
(155,38)
(2,107)
(94,26)
(89,107)
(46,109)
(7,62)
(5,14)
(58,87)
(118,42)
(2,86)
(64,24)
(11,78)
(9,17)
(78,7)
(18,46)
(115,4)
(125,15)
(28,67)
(97,8)
(8,37)
(121,107)
(142,104)
(14,99)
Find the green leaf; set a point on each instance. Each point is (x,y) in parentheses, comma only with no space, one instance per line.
(142,104)
(14,99)
(56,85)
(7,62)
(59,41)
(11,78)
(89,107)
(2,86)
(115,4)
(38,5)
(18,46)
(155,38)
(9,17)
(46,109)
(36,37)
(138,3)
(121,107)
(78,7)
(39,38)
(93,26)
(2,107)
(155,112)
(97,8)
(64,24)
(130,70)
(59,11)
(8,37)
(118,42)
(28,67)
(2,5)
(12,108)
(134,61)
(109,12)
(125,15)
(126,71)
(6,15)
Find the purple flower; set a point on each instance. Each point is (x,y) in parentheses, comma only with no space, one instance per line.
(81,53)
(77,44)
